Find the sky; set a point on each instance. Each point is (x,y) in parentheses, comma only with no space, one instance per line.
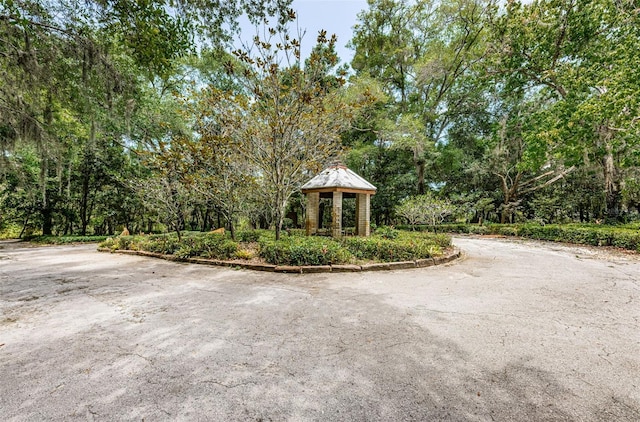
(334,16)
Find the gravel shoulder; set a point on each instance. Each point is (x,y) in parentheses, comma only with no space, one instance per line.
(515,330)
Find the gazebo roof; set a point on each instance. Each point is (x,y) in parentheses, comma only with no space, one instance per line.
(338,178)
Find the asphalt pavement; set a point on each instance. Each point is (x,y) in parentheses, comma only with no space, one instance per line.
(513,331)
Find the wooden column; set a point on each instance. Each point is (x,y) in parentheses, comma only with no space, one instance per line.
(313,211)
(363,214)
(336,214)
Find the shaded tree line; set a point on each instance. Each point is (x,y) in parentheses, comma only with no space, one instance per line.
(516,111)
(142,114)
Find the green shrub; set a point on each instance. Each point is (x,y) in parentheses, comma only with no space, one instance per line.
(166,244)
(123,242)
(406,247)
(244,254)
(623,236)
(627,239)
(208,245)
(507,231)
(387,232)
(293,250)
(61,240)
(248,235)
(10,231)
(297,232)
(109,242)
(222,250)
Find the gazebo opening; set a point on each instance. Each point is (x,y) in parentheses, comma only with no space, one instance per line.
(337,183)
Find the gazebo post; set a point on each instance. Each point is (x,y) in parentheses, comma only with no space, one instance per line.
(313,212)
(336,214)
(358,219)
(363,214)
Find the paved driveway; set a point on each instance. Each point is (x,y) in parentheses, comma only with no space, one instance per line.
(513,331)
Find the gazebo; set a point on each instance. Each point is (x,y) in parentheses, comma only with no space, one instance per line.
(338,182)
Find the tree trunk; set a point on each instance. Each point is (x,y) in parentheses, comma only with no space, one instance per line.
(232,228)
(84,220)
(278,223)
(87,169)
(612,185)
(206,220)
(420,171)
(46,211)
(24,226)
(47,221)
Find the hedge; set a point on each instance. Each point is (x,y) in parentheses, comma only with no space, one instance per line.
(626,237)
(60,240)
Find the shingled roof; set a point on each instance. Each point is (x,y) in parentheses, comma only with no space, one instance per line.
(338,178)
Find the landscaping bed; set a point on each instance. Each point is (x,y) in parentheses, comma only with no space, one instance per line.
(257,248)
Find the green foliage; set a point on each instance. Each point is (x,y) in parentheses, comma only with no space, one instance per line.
(293,250)
(10,231)
(252,235)
(391,172)
(61,240)
(576,63)
(386,232)
(425,209)
(244,254)
(422,53)
(513,110)
(82,88)
(392,245)
(164,244)
(626,237)
(406,247)
(207,246)
(297,232)
(324,251)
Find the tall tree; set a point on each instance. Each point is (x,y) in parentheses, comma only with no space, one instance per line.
(288,119)
(581,55)
(421,51)
(82,82)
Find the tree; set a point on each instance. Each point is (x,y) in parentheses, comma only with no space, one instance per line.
(421,52)
(411,210)
(70,86)
(580,55)
(409,133)
(288,118)
(214,166)
(425,209)
(84,84)
(519,159)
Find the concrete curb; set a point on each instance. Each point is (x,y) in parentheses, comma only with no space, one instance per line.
(305,269)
